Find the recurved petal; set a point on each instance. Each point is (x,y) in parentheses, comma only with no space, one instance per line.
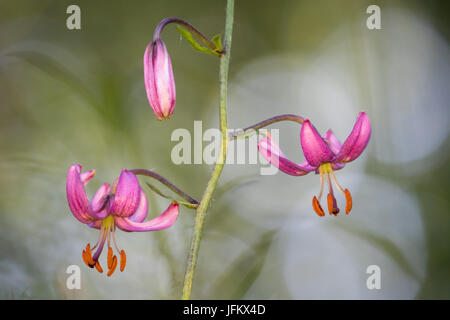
(357,141)
(165,220)
(141,211)
(127,195)
(87,176)
(272,153)
(315,149)
(76,195)
(332,141)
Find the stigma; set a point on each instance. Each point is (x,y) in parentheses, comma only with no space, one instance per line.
(107,231)
(326,172)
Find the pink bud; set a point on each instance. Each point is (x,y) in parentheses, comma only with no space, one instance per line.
(158,77)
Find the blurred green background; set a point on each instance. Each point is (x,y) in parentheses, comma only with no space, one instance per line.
(77,96)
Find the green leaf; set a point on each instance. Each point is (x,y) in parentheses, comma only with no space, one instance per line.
(235,183)
(56,70)
(108,93)
(159,192)
(384,244)
(217,40)
(190,38)
(237,279)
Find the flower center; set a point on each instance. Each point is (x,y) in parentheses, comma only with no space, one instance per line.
(326,170)
(106,230)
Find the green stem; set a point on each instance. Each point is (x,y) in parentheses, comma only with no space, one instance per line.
(212,183)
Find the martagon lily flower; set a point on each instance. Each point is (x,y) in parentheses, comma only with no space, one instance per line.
(323,155)
(123,205)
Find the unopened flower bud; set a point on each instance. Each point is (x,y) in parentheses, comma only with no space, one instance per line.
(158,77)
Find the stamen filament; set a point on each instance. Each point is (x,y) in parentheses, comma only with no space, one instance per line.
(330,186)
(98,241)
(337,183)
(321,185)
(123,256)
(108,235)
(114,239)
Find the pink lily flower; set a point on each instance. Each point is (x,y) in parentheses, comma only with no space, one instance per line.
(323,154)
(123,205)
(159,81)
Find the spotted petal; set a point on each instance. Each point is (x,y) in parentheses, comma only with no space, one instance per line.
(272,153)
(127,195)
(165,220)
(141,211)
(357,141)
(314,147)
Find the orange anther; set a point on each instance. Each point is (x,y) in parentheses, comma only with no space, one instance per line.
(85,259)
(317,208)
(88,249)
(88,255)
(330,203)
(98,267)
(123,260)
(109,259)
(348,198)
(113,266)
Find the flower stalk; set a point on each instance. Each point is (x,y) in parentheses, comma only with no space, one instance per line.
(212,183)
(188,26)
(171,186)
(244,133)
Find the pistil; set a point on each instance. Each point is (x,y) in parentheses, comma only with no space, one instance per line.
(331,200)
